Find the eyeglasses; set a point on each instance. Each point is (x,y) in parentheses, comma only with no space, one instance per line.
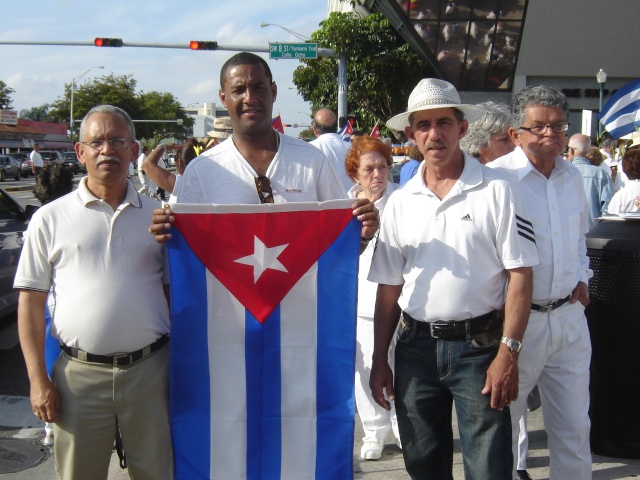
(542,129)
(263,186)
(114,142)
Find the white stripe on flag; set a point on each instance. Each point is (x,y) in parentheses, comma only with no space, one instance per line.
(298,315)
(227,386)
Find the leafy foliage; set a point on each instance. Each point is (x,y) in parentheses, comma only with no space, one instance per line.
(39,114)
(381,68)
(6,103)
(120,91)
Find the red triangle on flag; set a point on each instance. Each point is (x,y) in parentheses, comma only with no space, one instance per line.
(259,257)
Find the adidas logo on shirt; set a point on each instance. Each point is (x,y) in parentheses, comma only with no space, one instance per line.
(467,218)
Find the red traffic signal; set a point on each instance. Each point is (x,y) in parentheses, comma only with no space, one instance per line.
(107,42)
(203,45)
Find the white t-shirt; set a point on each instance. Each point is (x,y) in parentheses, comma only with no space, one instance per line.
(297,173)
(36,159)
(104,270)
(451,255)
(624,200)
(335,148)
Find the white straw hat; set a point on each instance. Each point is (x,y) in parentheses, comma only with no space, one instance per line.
(429,94)
(221,128)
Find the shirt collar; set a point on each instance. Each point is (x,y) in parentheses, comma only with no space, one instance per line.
(524,166)
(131,198)
(470,177)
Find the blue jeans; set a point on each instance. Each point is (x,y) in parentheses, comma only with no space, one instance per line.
(429,375)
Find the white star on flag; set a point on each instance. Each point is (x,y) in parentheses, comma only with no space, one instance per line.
(263,258)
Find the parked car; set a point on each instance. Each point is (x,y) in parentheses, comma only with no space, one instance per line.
(51,156)
(13,223)
(71,160)
(9,167)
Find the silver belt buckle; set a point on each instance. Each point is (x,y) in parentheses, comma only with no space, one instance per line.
(434,327)
(547,308)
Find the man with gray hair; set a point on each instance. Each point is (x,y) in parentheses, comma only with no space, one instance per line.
(92,250)
(556,348)
(488,137)
(597,184)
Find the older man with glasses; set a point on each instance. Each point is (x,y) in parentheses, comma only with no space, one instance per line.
(556,347)
(92,250)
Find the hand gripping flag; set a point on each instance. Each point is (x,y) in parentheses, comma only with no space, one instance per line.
(263,311)
(621,114)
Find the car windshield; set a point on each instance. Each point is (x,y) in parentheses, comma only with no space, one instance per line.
(69,155)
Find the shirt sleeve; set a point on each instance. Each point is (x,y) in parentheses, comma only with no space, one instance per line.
(34,268)
(387,265)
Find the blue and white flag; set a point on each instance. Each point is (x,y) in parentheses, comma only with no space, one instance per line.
(621,114)
(263,322)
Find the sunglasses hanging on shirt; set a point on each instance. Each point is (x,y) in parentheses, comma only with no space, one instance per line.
(263,186)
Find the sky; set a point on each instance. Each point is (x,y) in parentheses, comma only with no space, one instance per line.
(38,73)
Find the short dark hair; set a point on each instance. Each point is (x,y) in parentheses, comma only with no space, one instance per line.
(244,58)
(631,163)
(54,181)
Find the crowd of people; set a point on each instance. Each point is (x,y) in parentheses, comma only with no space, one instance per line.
(473,274)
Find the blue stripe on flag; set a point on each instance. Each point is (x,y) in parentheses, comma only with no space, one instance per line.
(336,354)
(190,400)
(619,113)
(263,380)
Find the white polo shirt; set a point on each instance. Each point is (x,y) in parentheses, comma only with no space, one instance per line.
(335,148)
(297,173)
(450,255)
(104,271)
(560,217)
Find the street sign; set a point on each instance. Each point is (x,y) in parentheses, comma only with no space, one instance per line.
(293,50)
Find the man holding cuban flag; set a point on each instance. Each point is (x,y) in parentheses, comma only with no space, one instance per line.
(260,415)
(621,114)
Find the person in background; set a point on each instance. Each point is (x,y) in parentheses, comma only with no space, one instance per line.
(367,164)
(325,126)
(36,160)
(597,185)
(556,348)
(595,157)
(624,200)
(488,137)
(410,168)
(144,181)
(55,181)
(164,178)
(91,248)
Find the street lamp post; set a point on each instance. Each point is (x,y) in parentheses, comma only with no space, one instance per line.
(73,87)
(601,78)
(295,34)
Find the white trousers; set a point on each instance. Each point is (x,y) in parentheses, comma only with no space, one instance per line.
(556,353)
(376,421)
(523,443)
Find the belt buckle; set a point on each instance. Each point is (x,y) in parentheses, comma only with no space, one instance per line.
(437,330)
(117,358)
(547,308)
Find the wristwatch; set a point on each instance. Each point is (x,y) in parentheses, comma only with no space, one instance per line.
(514,345)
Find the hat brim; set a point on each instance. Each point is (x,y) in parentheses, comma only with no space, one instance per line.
(399,122)
(214,134)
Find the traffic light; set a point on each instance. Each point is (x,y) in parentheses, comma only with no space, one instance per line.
(107,42)
(203,45)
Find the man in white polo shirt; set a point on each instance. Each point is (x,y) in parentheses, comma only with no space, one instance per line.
(449,241)
(559,347)
(36,160)
(92,250)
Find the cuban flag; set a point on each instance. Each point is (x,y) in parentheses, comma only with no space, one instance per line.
(263,317)
(621,114)
(347,130)
(277,125)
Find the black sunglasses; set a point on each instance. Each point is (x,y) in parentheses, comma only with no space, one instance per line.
(263,186)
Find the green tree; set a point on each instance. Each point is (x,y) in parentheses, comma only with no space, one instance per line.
(39,114)
(162,106)
(382,69)
(6,103)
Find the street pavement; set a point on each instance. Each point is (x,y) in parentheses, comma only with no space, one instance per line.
(22,456)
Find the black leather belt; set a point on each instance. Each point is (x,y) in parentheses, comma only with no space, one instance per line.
(116,360)
(455,329)
(550,306)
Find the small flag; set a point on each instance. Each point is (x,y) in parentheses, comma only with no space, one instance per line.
(263,321)
(376,131)
(347,129)
(621,114)
(277,125)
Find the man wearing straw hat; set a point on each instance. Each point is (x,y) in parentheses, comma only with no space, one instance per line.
(222,130)
(450,240)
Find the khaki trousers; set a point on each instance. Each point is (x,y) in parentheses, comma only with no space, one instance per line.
(93,397)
